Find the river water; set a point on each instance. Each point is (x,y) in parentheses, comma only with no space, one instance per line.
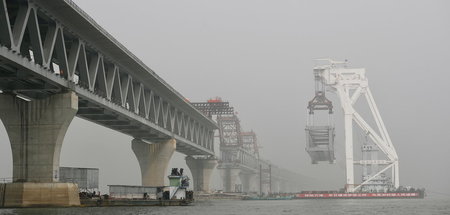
(425,206)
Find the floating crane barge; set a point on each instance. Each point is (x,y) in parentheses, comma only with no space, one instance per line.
(340,195)
(376,182)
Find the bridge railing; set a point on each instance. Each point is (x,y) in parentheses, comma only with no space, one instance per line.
(11,180)
(6,180)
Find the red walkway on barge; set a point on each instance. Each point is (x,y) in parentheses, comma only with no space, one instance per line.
(358,195)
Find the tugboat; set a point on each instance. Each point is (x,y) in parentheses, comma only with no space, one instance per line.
(178,187)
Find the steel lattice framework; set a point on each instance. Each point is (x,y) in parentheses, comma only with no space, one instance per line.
(320,135)
(250,142)
(214,108)
(239,149)
(230,131)
(233,148)
(50,46)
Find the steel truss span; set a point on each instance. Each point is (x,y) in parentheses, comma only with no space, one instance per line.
(350,85)
(239,149)
(52,46)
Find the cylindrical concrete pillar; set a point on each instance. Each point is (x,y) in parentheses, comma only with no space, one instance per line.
(153,160)
(275,186)
(248,179)
(201,170)
(283,187)
(36,130)
(230,179)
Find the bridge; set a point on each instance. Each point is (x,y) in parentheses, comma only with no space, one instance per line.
(242,168)
(56,63)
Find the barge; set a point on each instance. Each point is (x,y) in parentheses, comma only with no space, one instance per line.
(128,195)
(134,202)
(413,194)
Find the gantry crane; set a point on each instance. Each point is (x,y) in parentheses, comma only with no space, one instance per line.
(350,84)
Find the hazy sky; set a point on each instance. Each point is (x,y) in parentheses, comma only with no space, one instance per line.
(259,56)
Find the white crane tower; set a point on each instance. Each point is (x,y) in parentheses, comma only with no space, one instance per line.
(350,84)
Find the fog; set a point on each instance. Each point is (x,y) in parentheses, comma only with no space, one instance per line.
(258,55)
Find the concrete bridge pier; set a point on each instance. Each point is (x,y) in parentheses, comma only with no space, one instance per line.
(265,189)
(254,183)
(36,131)
(230,177)
(247,180)
(276,186)
(201,170)
(283,187)
(153,160)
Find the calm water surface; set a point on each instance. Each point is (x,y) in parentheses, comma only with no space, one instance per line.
(425,206)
